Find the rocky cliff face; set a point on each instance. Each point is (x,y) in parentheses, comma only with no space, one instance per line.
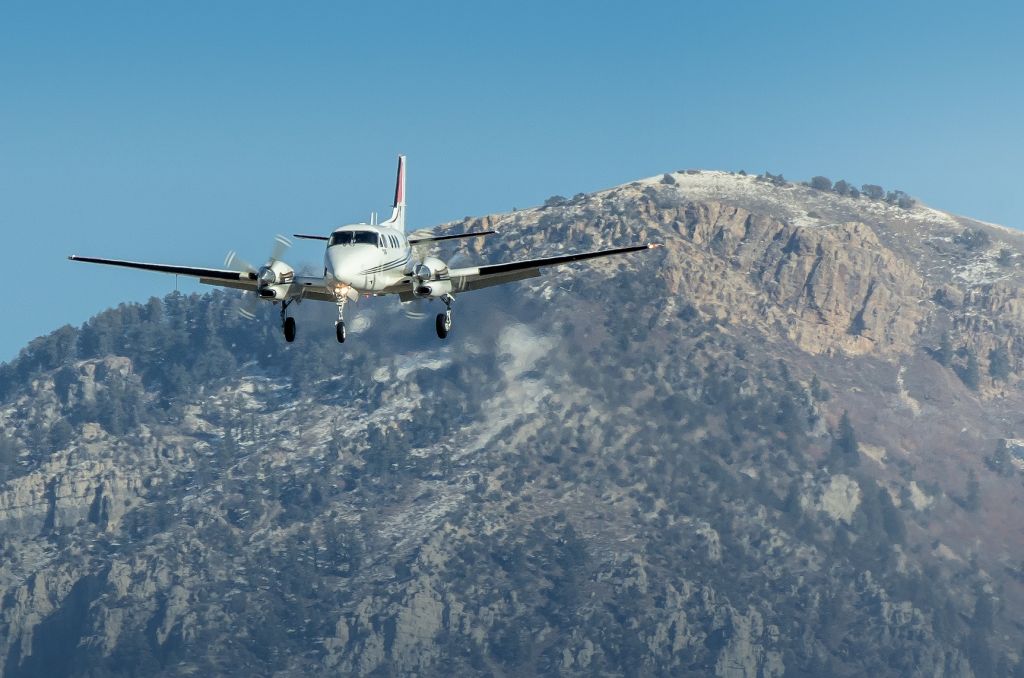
(786,443)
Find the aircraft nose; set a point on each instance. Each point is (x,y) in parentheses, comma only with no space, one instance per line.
(341,267)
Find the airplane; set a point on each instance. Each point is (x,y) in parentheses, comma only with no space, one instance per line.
(372,259)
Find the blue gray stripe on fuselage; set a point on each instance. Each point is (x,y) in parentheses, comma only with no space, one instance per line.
(386,266)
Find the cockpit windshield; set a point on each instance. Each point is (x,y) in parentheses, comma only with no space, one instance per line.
(353,238)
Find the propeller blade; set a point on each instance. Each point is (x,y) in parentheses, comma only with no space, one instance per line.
(459,259)
(247,305)
(421,250)
(414,309)
(281,245)
(237,263)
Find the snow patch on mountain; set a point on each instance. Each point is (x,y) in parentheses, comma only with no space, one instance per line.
(797,203)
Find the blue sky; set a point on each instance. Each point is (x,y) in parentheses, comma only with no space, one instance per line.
(174,132)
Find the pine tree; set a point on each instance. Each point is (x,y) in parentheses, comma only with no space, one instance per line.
(846,441)
(944,355)
(999,363)
(971,374)
(973,500)
(845,451)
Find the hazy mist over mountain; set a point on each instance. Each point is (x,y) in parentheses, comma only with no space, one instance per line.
(788,443)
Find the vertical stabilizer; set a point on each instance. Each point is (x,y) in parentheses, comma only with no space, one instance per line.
(397,219)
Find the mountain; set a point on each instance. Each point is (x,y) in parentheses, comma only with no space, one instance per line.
(787,443)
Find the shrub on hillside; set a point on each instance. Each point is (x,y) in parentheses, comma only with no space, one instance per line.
(873,191)
(973,239)
(821,183)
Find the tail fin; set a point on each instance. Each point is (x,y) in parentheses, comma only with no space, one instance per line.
(397,219)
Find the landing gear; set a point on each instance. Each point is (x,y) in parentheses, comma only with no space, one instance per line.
(287,322)
(339,325)
(443,322)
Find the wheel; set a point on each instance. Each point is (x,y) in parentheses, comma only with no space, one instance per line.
(289,329)
(443,325)
(339,330)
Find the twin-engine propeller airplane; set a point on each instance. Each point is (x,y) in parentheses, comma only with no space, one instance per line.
(372,259)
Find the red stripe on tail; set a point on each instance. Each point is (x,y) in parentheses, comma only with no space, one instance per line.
(400,182)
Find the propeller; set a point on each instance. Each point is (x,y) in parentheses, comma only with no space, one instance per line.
(423,249)
(281,245)
(247,306)
(459,259)
(414,310)
(237,263)
(264,274)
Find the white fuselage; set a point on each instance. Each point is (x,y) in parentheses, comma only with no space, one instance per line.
(367,258)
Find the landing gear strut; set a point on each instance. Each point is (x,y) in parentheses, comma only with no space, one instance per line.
(287,322)
(443,323)
(339,324)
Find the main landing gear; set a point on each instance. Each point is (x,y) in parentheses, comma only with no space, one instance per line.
(287,322)
(443,322)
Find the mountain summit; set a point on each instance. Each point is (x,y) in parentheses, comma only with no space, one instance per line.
(788,443)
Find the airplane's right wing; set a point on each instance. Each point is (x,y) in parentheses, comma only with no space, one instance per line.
(479,277)
(308,287)
(208,276)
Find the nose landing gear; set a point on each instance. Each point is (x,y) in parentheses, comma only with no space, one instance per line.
(443,322)
(339,324)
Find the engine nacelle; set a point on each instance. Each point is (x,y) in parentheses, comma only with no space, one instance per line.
(432,288)
(273,281)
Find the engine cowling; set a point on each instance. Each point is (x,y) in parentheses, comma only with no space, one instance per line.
(431,268)
(430,278)
(273,281)
(432,288)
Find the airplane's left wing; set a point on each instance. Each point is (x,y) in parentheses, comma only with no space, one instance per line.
(479,277)
(210,276)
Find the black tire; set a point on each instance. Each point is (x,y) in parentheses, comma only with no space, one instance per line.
(339,331)
(442,331)
(289,329)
